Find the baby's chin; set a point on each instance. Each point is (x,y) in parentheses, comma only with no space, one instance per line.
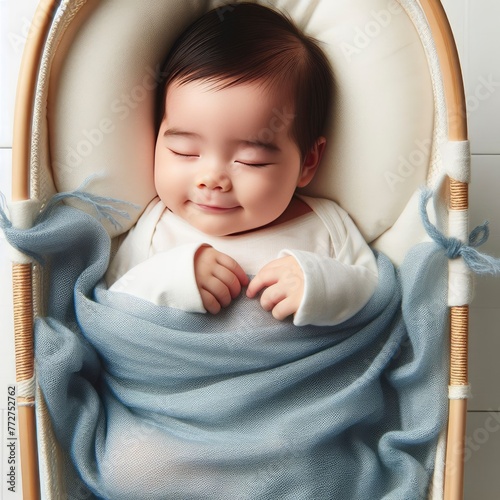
(220,223)
(216,228)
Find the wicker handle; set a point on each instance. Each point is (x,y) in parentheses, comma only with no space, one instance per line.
(22,273)
(457,131)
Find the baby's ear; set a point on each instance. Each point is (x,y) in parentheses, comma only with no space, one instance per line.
(311,162)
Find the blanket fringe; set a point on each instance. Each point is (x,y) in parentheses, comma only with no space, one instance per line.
(104,206)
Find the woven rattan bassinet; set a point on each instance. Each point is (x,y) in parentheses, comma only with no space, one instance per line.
(43,163)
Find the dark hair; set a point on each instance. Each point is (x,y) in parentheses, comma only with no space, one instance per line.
(247,42)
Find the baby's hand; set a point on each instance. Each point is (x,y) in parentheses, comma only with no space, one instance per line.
(219,278)
(284,280)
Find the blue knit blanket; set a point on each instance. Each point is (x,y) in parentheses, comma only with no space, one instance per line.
(155,403)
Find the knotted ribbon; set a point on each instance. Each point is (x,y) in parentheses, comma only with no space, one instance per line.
(477,262)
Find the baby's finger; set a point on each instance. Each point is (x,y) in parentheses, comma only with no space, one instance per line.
(218,290)
(272,296)
(230,264)
(267,276)
(284,309)
(228,278)
(210,303)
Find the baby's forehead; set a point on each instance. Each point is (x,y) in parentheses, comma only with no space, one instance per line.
(279,97)
(242,113)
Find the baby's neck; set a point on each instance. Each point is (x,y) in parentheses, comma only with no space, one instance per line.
(296,208)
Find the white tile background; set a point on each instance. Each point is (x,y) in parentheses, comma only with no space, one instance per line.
(475,24)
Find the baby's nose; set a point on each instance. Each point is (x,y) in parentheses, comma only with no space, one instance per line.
(214,180)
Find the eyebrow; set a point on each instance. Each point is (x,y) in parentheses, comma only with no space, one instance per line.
(176,132)
(267,146)
(255,143)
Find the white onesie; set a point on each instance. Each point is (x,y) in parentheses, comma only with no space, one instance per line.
(155,260)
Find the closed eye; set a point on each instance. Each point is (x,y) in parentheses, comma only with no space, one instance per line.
(184,155)
(254,164)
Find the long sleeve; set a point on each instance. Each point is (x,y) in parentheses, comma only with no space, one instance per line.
(167,278)
(333,291)
(338,286)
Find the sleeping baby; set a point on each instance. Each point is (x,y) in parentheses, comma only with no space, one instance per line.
(240,124)
(192,383)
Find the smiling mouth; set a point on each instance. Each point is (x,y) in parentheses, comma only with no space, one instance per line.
(215,209)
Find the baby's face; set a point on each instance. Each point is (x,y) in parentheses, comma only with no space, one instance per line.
(224,160)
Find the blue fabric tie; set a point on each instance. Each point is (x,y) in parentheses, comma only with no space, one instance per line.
(477,262)
(104,206)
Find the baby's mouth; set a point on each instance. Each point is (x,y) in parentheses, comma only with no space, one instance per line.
(214,208)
